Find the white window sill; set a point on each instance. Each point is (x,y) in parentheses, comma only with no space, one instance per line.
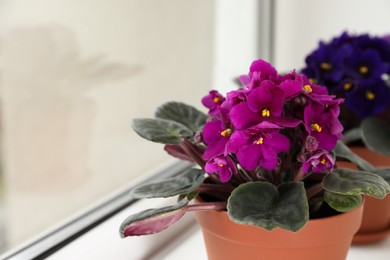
(182,241)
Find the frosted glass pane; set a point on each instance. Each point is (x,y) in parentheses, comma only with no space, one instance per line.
(73,75)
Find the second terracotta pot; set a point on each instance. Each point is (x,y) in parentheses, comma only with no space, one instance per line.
(376,215)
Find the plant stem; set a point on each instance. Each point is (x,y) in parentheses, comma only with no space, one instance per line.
(194,153)
(313,190)
(277,180)
(206,206)
(288,160)
(298,177)
(189,149)
(214,177)
(247,176)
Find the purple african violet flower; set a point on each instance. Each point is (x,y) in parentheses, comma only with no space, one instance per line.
(325,65)
(379,44)
(365,65)
(258,146)
(361,61)
(323,124)
(224,165)
(346,86)
(213,101)
(321,161)
(341,40)
(216,135)
(369,99)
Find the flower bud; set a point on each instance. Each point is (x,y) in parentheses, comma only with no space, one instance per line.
(198,137)
(311,144)
(301,157)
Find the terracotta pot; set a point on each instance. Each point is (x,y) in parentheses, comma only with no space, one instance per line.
(321,239)
(376,215)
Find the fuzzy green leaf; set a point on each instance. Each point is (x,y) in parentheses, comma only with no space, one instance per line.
(376,135)
(384,173)
(352,135)
(342,203)
(262,204)
(190,196)
(353,182)
(181,184)
(160,130)
(152,221)
(183,114)
(343,151)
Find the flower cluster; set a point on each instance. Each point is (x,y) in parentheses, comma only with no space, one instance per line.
(276,123)
(354,67)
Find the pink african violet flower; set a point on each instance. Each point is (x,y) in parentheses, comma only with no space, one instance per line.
(260,70)
(213,101)
(237,96)
(215,135)
(258,146)
(321,161)
(265,103)
(223,165)
(323,124)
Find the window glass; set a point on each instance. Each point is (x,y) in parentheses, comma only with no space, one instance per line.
(73,75)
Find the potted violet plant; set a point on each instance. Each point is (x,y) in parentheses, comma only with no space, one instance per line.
(265,182)
(357,68)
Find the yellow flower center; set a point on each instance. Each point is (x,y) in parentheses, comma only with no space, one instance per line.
(370,95)
(316,127)
(216,99)
(220,164)
(323,160)
(226,132)
(307,89)
(363,70)
(325,66)
(260,141)
(265,113)
(313,80)
(347,86)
